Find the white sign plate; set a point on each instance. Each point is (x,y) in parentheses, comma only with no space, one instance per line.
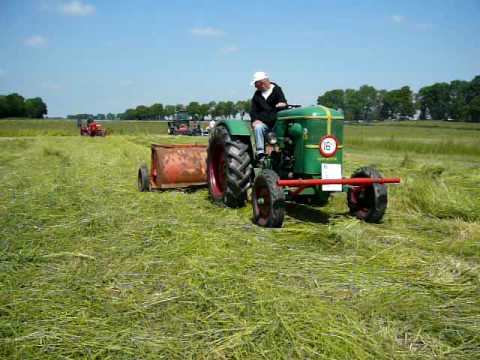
(332,171)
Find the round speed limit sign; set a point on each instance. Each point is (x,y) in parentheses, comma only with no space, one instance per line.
(328,145)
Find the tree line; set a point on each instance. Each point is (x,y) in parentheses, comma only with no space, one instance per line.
(15,105)
(458,100)
(159,111)
(109,116)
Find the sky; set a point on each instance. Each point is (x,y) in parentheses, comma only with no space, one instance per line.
(106,56)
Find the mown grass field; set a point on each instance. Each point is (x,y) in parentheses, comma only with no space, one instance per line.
(91,268)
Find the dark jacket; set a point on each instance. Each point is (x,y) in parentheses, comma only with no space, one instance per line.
(265,110)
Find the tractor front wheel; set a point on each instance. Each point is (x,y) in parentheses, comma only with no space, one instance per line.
(368,202)
(229,169)
(143,180)
(268,200)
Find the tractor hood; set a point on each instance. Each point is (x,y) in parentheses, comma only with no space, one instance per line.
(310,127)
(310,112)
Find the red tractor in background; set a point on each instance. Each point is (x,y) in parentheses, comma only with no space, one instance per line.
(92,129)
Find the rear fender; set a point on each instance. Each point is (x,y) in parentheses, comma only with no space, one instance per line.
(240,129)
(237,127)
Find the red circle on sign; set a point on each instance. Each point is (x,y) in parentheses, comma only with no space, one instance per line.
(328,146)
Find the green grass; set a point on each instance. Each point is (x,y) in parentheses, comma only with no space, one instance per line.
(29,127)
(91,268)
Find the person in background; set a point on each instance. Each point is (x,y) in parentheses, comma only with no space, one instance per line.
(267,100)
(211,124)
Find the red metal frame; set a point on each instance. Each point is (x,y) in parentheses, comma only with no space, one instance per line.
(303,183)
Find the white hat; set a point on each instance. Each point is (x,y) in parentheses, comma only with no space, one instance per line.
(259,75)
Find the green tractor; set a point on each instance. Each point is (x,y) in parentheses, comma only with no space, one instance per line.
(303,163)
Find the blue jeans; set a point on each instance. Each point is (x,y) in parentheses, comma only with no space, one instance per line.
(260,132)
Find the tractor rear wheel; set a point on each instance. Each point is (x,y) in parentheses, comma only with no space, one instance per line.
(143,180)
(368,202)
(268,200)
(229,169)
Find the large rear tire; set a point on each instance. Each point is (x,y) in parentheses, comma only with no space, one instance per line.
(368,203)
(229,169)
(268,200)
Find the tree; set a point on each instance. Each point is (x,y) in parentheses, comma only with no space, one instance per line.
(81,116)
(353,105)
(224,109)
(15,105)
(219,109)
(406,102)
(397,104)
(3,107)
(458,109)
(229,110)
(193,108)
(110,116)
(368,99)
(473,100)
(142,112)
(129,114)
(243,107)
(169,110)
(388,108)
(381,94)
(474,109)
(212,106)
(203,110)
(156,111)
(248,106)
(333,99)
(435,100)
(35,108)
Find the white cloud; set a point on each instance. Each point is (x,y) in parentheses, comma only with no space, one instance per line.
(398,18)
(207,31)
(36,41)
(229,50)
(77,8)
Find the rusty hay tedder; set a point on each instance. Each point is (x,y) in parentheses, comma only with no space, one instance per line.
(303,163)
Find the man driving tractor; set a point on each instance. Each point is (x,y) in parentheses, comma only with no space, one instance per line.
(266,102)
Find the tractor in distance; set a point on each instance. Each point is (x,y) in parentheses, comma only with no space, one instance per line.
(92,128)
(185,124)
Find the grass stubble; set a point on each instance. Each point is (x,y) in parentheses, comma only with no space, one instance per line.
(91,268)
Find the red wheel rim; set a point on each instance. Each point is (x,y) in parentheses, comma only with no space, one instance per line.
(356,199)
(262,204)
(216,171)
